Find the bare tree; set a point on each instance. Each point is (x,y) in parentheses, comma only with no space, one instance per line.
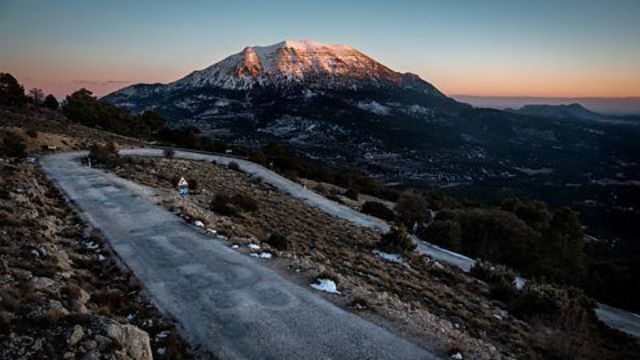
(37,96)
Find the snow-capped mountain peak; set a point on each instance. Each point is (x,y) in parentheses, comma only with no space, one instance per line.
(308,63)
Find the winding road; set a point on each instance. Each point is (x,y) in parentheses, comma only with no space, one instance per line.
(229,304)
(226,304)
(616,318)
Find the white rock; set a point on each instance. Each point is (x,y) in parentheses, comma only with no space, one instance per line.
(326,285)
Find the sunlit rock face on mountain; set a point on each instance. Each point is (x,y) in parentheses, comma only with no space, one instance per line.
(307,63)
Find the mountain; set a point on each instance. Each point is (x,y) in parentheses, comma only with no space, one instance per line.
(568,111)
(340,106)
(290,65)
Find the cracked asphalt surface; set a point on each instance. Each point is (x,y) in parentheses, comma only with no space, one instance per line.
(227,304)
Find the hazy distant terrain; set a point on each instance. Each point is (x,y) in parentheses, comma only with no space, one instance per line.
(619,106)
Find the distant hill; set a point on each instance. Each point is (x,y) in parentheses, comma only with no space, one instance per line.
(568,111)
(603,105)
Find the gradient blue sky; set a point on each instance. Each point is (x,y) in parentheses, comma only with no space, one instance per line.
(531,48)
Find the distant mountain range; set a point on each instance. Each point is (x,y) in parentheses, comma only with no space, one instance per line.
(603,105)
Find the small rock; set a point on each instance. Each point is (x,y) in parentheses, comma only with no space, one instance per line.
(456,356)
(75,335)
(90,345)
(91,355)
(42,283)
(102,341)
(457,322)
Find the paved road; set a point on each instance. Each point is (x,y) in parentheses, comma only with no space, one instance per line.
(226,303)
(620,319)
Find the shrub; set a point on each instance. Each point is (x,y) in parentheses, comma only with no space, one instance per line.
(258,157)
(193,184)
(397,240)
(500,279)
(13,145)
(32,133)
(233,166)
(412,208)
(378,210)
(278,241)
(104,155)
(227,205)
(545,302)
(168,153)
(352,194)
(445,233)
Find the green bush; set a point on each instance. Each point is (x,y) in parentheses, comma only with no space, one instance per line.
(397,240)
(378,210)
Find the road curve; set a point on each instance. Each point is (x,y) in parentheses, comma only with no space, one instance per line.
(227,304)
(616,318)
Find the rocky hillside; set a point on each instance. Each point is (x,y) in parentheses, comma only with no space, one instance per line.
(435,305)
(63,292)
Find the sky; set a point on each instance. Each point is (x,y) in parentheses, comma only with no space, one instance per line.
(562,48)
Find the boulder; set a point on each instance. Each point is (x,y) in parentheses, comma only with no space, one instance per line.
(134,341)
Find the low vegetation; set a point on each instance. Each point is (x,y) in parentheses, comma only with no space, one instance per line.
(379,210)
(396,240)
(232,205)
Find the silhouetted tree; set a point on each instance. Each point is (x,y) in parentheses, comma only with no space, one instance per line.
(11,92)
(51,103)
(562,251)
(37,96)
(533,213)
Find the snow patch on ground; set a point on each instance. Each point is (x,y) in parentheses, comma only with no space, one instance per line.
(373,107)
(254,246)
(396,258)
(262,255)
(326,285)
(541,171)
